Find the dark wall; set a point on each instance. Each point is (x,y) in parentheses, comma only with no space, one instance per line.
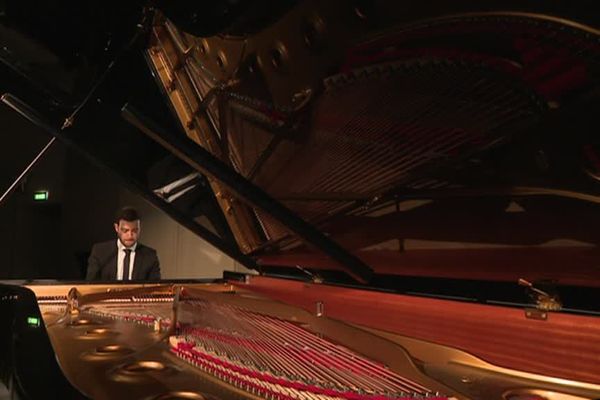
(7,237)
(89,203)
(36,240)
(49,240)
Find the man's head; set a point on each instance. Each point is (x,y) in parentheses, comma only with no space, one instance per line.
(127,225)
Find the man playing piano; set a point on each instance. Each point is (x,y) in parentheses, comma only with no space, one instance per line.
(123,259)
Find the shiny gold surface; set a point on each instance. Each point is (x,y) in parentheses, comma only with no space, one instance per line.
(180,396)
(477,379)
(525,394)
(100,332)
(118,359)
(121,360)
(143,367)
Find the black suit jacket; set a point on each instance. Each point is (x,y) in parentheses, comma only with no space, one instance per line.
(102,264)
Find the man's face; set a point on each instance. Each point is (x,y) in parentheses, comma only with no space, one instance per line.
(128,231)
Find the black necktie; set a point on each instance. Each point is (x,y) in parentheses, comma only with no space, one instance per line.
(126,264)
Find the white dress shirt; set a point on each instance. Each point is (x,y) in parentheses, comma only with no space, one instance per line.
(121,257)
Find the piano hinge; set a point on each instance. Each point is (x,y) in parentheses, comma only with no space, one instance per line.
(314,277)
(544,302)
(534,313)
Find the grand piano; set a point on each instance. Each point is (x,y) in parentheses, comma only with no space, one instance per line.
(415,186)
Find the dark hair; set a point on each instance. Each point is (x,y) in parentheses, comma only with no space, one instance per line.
(128,214)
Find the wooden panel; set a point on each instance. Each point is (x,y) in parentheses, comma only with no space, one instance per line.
(564,346)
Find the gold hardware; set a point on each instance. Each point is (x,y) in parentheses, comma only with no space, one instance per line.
(320,309)
(314,277)
(543,300)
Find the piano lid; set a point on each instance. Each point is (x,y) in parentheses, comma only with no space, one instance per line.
(374,139)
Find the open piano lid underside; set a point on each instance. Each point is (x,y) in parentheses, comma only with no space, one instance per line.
(459,146)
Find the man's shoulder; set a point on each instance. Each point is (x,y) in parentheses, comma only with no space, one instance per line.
(143,248)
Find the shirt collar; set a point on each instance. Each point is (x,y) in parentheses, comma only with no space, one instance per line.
(122,247)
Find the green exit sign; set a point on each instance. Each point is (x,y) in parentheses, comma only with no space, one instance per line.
(33,322)
(41,195)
